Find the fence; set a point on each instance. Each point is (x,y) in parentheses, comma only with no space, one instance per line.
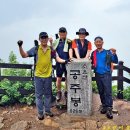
(120,76)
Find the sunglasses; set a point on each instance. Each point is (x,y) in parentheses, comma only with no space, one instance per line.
(62,31)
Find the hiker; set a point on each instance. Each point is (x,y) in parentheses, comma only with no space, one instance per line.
(62,46)
(101,61)
(43,70)
(81,47)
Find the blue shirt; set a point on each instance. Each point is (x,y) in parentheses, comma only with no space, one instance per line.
(101,65)
(60,51)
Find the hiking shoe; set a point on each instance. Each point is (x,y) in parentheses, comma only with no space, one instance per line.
(65,94)
(58,96)
(103,109)
(109,113)
(49,114)
(40,117)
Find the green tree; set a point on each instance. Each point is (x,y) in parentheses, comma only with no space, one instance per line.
(12,58)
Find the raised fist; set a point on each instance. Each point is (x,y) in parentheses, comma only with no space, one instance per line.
(20,42)
(113,50)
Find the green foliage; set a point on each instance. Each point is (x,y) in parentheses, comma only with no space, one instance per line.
(94,87)
(12,93)
(4,99)
(126,93)
(11,90)
(28,86)
(114,91)
(28,99)
(54,90)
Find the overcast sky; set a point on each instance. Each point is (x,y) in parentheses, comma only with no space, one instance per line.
(25,19)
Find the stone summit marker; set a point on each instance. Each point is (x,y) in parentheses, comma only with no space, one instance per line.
(79,88)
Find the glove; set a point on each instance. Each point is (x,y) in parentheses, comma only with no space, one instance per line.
(68,61)
(20,42)
(56,35)
(36,42)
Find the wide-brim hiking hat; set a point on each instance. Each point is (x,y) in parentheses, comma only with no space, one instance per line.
(43,35)
(82,31)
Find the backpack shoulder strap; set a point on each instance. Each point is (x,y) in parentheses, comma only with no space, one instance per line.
(109,60)
(35,56)
(94,58)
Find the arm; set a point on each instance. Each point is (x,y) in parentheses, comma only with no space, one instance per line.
(114,57)
(77,53)
(88,54)
(58,59)
(89,50)
(70,50)
(70,53)
(22,52)
(30,53)
(74,46)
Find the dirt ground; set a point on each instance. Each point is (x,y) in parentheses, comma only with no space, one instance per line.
(13,114)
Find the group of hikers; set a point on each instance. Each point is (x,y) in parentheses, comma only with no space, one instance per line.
(64,50)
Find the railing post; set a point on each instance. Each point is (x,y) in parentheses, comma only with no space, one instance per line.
(120,81)
(0,73)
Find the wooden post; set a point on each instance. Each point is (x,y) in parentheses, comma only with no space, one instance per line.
(0,73)
(120,81)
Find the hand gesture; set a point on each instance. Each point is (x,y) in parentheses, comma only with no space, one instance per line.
(50,40)
(20,42)
(113,50)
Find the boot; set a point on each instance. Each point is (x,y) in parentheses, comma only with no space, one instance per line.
(109,113)
(49,113)
(103,109)
(40,117)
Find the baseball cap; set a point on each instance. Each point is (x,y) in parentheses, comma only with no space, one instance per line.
(62,29)
(43,35)
(98,37)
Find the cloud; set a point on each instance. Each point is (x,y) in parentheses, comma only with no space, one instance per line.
(121,7)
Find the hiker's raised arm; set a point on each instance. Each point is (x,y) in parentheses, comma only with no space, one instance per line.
(22,52)
(114,56)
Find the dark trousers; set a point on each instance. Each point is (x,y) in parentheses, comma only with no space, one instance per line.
(43,86)
(104,84)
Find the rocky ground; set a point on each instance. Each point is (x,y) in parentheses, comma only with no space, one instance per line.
(24,118)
